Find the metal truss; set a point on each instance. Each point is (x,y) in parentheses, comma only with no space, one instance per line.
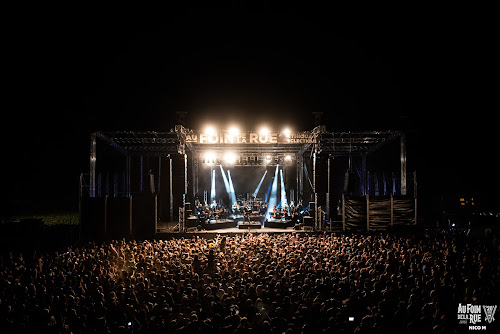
(355,143)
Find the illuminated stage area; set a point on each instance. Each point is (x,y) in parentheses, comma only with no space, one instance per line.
(219,179)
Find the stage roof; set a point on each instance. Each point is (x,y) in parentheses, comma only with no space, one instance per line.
(183,140)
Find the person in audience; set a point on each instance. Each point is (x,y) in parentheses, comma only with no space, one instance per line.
(251,283)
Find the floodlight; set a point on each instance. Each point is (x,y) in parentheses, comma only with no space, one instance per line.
(210,157)
(288,158)
(230,157)
(287,132)
(264,131)
(234,131)
(210,131)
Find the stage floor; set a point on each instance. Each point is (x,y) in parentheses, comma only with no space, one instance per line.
(164,227)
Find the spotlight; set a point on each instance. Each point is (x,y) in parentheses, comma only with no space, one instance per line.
(230,157)
(264,131)
(288,158)
(210,157)
(210,131)
(287,132)
(234,131)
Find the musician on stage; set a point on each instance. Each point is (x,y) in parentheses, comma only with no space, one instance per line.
(263,209)
(275,213)
(246,211)
(221,214)
(236,208)
(284,214)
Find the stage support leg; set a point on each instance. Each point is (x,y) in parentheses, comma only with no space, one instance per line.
(415,194)
(343,212)
(392,210)
(128,175)
(300,177)
(115,185)
(195,175)
(316,220)
(328,191)
(105,215)
(367,183)
(363,175)
(99,185)
(185,174)
(93,151)
(107,184)
(130,216)
(156,215)
(367,213)
(171,194)
(141,184)
(159,175)
(403,164)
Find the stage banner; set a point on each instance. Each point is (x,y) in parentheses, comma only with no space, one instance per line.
(225,137)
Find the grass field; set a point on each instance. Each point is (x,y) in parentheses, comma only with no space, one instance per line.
(63,218)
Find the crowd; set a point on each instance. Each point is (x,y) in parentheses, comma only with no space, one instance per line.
(253,283)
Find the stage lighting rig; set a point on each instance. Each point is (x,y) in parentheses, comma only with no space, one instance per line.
(210,158)
(234,131)
(210,131)
(230,158)
(264,131)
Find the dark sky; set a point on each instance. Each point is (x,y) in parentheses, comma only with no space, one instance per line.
(85,71)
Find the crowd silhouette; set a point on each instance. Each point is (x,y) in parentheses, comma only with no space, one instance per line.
(252,283)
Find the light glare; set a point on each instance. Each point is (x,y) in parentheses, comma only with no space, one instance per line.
(234,131)
(210,131)
(230,158)
(210,157)
(264,131)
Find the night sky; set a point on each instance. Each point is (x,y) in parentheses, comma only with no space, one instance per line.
(73,74)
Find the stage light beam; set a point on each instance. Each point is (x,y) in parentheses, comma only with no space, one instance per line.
(260,184)
(274,191)
(283,191)
(226,182)
(212,191)
(231,188)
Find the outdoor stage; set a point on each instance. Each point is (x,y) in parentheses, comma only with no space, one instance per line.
(141,179)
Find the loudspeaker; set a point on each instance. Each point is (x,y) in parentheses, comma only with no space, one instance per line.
(308,221)
(192,229)
(308,228)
